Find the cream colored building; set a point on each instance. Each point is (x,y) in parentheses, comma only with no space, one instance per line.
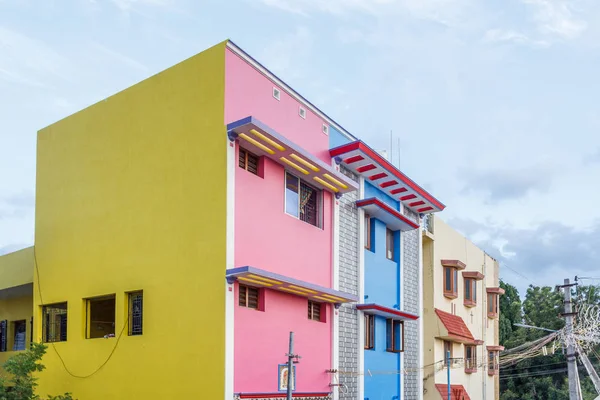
(460,314)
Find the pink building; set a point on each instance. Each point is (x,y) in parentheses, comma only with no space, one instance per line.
(281,228)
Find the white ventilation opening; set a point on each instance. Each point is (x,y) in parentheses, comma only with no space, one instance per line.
(277,93)
(302,112)
(325,129)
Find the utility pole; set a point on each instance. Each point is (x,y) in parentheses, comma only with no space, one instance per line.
(291,357)
(449,387)
(574,391)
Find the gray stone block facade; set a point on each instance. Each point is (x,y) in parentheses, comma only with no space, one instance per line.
(410,297)
(348,282)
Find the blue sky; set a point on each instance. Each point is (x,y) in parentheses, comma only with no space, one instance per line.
(495,103)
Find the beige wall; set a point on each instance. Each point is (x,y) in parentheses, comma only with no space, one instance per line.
(446,243)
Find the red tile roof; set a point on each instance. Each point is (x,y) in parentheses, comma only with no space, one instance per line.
(455,325)
(458,392)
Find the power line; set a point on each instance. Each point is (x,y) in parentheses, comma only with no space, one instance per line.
(37,270)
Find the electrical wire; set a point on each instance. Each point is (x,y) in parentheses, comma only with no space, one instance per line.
(52,343)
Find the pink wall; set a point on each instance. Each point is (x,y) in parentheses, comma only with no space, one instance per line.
(267,238)
(262,339)
(249,93)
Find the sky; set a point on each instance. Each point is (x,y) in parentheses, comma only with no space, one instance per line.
(493,105)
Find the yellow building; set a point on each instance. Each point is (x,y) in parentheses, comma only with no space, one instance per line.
(16,302)
(460,316)
(130,240)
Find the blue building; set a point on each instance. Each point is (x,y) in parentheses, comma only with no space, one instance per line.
(381,224)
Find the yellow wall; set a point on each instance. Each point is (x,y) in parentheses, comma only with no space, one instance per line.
(449,244)
(16,309)
(131,194)
(16,268)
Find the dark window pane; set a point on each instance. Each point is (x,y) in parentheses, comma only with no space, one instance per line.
(467,289)
(308,204)
(54,320)
(136,305)
(101,317)
(448,287)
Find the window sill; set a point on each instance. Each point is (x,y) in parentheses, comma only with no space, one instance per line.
(492,315)
(492,372)
(470,370)
(394,351)
(370,348)
(451,296)
(469,303)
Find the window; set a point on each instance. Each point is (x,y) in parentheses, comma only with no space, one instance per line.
(470,292)
(136,313)
(54,323)
(3,335)
(492,305)
(394,336)
(367,232)
(314,310)
(470,358)
(389,244)
(302,112)
(450,282)
(301,200)
(493,363)
(248,161)
(249,297)
(369,332)
(447,352)
(276,93)
(100,317)
(19,335)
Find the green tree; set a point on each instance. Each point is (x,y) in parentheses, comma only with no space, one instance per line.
(21,382)
(510,312)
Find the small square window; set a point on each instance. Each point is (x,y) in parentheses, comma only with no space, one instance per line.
(249,297)
(369,332)
(302,112)
(394,336)
(136,312)
(325,129)
(248,161)
(100,317)
(314,310)
(54,323)
(277,93)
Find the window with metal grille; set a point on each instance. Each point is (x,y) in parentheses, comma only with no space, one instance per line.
(136,313)
(100,317)
(369,332)
(249,297)
(470,292)
(54,323)
(3,335)
(493,363)
(302,200)
(314,310)
(447,352)
(248,161)
(451,282)
(394,336)
(470,358)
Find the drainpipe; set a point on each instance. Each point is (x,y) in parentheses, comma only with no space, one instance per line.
(483,326)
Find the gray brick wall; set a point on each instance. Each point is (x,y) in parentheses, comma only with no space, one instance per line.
(348,276)
(410,289)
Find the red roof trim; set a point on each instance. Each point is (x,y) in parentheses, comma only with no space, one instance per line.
(388,166)
(388,209)
(425,209)
(367,307)
(455,390)
(378,176)
(389,183)
(408,197)
(366,168)
(280,395)
(416,203)
(455,325)
(353,159)
(401,190)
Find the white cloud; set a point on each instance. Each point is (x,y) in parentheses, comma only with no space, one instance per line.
(287,53)
(556,17)
(500,35)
